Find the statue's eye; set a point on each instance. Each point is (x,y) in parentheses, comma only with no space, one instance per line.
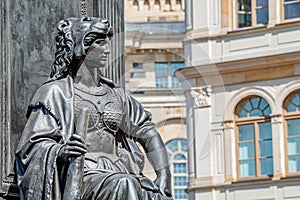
(85,19)
(100,42)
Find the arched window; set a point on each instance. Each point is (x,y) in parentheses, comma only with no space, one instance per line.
(254,138)
(177,151)
(292,121)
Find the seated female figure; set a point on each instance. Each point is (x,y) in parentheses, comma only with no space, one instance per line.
(111,160)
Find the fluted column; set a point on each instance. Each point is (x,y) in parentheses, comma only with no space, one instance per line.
(4,96)
(113,10)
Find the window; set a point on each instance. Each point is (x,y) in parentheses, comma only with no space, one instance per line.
(137,65)
(165,74)
(137,70)
(292,121)
(254,138)
(252,13)
(291,9)
(175,66)
(180,194)
(180,168)
(177,151)
(162,73)
(180,181)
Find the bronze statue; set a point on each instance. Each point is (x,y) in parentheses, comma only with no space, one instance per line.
(61,154)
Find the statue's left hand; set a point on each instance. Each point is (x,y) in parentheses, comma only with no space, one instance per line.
(163,181)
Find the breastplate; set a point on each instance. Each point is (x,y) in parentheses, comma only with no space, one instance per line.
(105,117)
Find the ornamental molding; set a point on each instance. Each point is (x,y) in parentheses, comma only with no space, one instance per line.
(83,7)
(276,119)
(202,96)
(229,124)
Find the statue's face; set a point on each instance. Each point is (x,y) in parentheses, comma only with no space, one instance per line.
(97,54)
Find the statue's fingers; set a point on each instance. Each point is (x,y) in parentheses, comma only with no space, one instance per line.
(79,149)
(76,149)
(77,137)
(76,143)
(74,154)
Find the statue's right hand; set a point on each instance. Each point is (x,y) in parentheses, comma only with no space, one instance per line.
(74,147)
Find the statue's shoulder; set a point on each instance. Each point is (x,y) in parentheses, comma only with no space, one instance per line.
(54,89)
(108,82)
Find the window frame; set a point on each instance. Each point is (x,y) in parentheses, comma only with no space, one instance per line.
(282,4)
(170,77)
(289,116)
(253,16)
(172,154)
(255,120)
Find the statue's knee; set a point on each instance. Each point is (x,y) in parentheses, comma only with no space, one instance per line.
(127,181)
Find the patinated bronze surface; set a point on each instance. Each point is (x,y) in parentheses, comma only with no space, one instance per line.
(80,140)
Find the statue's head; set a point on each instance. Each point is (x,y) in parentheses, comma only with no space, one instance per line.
(73,40)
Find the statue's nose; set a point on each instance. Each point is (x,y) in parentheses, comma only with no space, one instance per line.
(107,50)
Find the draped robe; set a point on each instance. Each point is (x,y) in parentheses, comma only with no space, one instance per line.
(41,174)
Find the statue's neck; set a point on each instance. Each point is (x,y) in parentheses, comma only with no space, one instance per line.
(86,77)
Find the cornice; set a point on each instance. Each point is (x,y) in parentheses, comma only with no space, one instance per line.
(208,183)
(239,66)
(204,33)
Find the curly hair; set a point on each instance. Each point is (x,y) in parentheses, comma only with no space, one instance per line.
(64,50)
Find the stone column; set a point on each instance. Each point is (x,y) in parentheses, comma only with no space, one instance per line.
(202,137)
(278,145)
(273,10)
(188,15)
(5,159)
(190,134)
(230,151)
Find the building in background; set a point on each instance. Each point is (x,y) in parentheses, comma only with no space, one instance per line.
(243,99)
(154,51)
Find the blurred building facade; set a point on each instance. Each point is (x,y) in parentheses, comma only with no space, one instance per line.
(242,86)
(154,51)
